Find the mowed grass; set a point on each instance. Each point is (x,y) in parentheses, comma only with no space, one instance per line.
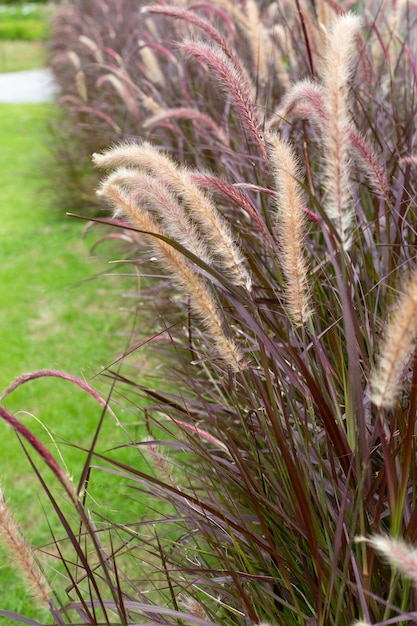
(16,56)
(51,316)
(23,31)
(26,21)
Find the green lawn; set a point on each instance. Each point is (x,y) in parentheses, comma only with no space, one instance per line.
(51,316)
(25,21)
(23,31)
(16,56)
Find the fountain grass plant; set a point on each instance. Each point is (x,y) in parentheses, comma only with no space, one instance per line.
(268,200)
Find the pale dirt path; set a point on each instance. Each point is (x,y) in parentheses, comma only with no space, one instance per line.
(29,86)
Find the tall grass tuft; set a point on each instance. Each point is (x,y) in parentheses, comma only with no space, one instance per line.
(290,226)
(262,179)
(23,557)
(396,348)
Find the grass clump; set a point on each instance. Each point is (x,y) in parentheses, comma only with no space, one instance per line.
(284,432)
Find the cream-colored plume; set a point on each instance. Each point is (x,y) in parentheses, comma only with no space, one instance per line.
(396,347)
(22,555)
(289,227)
(200,207)
(138,200)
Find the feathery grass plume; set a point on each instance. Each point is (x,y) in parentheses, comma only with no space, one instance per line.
(323,13)
(193,606)
(234,81)
(409,160)
(212,182)
(187,114)
(398,553)
(234,9)
(201,208)
(396,16)
(162,466)
(369,162)
(312,35)
(81,85)
(248,18)
(326,104)
(130,94)
(276,52)
(337,70)
(73,57)
(147,192)
(150,61)
(396,347)
(201,300)
(259,40)
(305,99)
(93,47)
(290,226)
(194,19)
(22,555)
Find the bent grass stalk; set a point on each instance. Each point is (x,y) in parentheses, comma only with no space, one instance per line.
(161,202)
(82,384)
(148,157)
(186,277)
(37,445)
(234,81)
(194,19)
(187,114)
